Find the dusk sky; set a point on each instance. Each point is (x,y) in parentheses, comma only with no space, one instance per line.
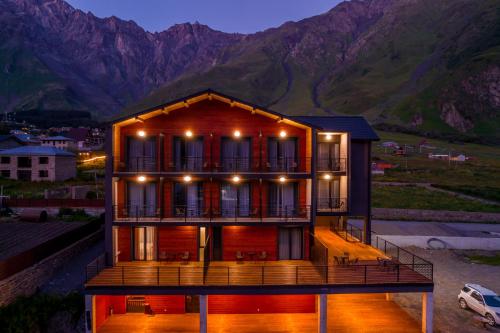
(245,16)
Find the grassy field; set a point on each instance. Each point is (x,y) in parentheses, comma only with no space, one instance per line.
(479,176)
(493,260)
(413,197)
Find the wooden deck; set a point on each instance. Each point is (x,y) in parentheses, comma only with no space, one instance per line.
(337,246)
(357,313)
(269,273)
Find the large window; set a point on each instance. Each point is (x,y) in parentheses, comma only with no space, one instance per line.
(290,243)
(328,155)
(329,194)
(188,199)
(5,160)
(43,173)
(141,154)
(24,175)
(188,154)
(283,199)
(145,243)
(141,198)
(43,160)
(235,154)
(282,154)
(235,200)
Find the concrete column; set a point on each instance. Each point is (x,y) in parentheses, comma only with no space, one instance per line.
(427,312)
(322,313)
(203,313)
(89,314)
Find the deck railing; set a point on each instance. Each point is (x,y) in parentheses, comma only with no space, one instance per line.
(403,257)
(331,164)
(238,213)
(260,275)
(95,267)
(203,164)
(332,204)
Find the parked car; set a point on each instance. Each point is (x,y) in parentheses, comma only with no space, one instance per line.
(482,300)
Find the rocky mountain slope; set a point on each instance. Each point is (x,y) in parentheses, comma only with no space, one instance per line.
(421,65)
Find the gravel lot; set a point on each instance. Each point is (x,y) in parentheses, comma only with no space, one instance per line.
(451,271)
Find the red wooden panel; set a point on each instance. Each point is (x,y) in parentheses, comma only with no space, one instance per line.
(168,188)
(124,244)
(103,306)
(178,240)
(249,239)
(261,304)
(217,119)
(167,304)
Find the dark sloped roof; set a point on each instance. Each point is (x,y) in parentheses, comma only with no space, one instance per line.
(356,125)
(36,150)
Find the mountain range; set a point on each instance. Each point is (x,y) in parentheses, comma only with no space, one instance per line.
(413,65)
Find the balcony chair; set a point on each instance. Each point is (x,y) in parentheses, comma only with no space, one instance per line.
(185,257)
(206,212)
(180,211)
(239,256)
(336,261)
(263,255)
(254,212)
(163,256)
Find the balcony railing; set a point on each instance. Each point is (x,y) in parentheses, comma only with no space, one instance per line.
(332,164)
(402,256)
(205,164)
(239,213)
(332,205)
(261,275)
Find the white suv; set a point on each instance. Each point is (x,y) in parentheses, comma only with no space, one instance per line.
(482,300)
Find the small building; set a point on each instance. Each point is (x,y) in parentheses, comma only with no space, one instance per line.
(37,163)
(59,141)
(10,141)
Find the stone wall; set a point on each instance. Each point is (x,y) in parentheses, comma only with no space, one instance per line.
(433,215)
(27,281)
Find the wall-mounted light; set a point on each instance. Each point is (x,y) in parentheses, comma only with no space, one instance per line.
(327,176)
(189,134)
(282,179)
(237,134)
(141,133)
(283,134)
(141,179)
(328,137)
(187,178)
(236,179)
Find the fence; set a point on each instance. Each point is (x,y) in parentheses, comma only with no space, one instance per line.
(403,257)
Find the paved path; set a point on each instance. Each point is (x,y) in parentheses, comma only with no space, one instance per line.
(429,187)
(417,228)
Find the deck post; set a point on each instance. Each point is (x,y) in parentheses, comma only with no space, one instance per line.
(388,296)
(427,312)
(89,315)
(322,313)
(203,313)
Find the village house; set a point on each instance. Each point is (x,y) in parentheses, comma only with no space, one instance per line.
(37,163)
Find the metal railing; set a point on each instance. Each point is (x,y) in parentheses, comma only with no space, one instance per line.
(349,233)
(332,164)
(206,164)
(262,275)
(95,267)
(237,213)
(403,257)
(332,204)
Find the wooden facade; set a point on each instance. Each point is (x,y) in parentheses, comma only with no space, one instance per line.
(266,246)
